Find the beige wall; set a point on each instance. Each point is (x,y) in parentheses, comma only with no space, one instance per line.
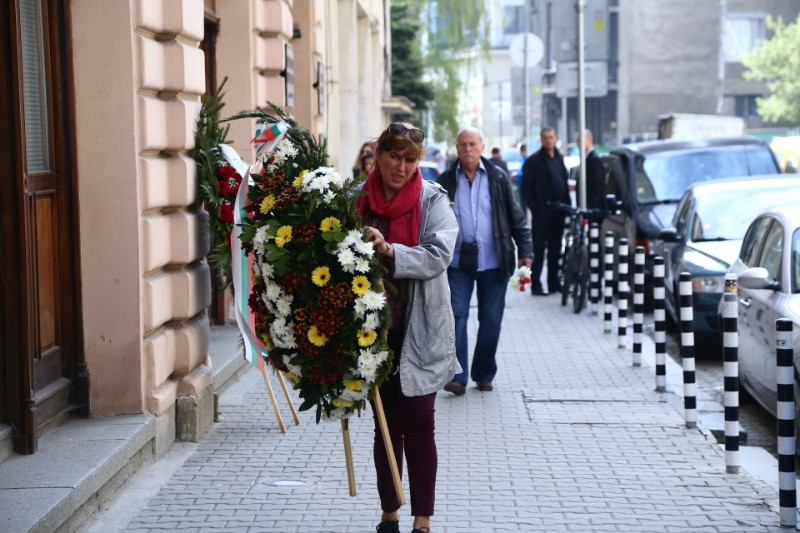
(139,76)
(144,277)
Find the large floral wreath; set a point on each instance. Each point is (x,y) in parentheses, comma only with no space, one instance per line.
(319,307)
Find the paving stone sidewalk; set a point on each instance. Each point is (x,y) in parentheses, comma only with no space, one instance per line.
(573,438)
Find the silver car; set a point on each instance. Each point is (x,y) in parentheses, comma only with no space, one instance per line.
(768,270)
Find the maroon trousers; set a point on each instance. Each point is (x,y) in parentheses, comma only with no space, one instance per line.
(411,428)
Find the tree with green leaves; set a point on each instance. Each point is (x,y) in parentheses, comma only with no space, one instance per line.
(453,33)
(408,69)
(777,62)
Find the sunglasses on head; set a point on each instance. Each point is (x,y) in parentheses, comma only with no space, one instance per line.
(413,133)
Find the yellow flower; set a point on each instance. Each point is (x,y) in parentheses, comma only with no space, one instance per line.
(366,338)
(341,402)
(316,338)
(298,181)
(321,276)
(330,224)
(267,204)
(353,384)
(266,340)
(361,285)
(283,236)
(294,377)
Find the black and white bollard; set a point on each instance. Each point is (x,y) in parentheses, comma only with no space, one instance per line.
(687,350)
(787,480)
(608,281)
(638,304)
(660,319)
(594,266)
(622,294)
(730,353)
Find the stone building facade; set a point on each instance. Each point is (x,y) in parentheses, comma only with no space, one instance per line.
(105,285)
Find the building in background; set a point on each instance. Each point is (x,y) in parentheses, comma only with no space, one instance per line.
(105,286)
(644,58)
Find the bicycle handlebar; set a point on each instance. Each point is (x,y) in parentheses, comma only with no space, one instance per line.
(577,211)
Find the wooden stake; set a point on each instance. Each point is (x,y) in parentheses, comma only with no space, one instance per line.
(272,398)
(348,456)
(387,440)
(288,398)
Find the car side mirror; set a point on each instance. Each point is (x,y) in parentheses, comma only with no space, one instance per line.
(757,278)
(669,235)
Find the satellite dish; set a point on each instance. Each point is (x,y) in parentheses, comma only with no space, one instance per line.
(517,49)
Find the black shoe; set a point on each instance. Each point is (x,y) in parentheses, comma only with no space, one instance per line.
(456,387)
(539,291)
(555,288)
(485,386)
(421,530)
(388,526)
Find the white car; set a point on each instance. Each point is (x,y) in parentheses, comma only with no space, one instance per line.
(768,270)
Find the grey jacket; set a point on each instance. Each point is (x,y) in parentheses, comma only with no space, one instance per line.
(428,357)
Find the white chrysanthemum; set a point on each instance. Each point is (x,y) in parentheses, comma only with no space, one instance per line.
(346,257)
(371,323)
(353,236)
(364,248)
(266,270)
(284,305)
(328,197)
(362,264)
(261,235)
(273,292)
(382,356)
(286,147)
(373,300)
(278,327)
(354,395)
(335,414)
(359,307)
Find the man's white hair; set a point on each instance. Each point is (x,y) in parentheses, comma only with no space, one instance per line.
(473,129)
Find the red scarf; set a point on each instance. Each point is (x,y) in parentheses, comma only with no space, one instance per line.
(402,211)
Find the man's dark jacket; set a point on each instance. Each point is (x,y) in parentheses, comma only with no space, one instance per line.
(595,182)
(536,182)
(509,223)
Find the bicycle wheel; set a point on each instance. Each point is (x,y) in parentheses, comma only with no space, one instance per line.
(580,286)
(567,275)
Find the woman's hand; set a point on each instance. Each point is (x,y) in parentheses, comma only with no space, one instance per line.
(378,241)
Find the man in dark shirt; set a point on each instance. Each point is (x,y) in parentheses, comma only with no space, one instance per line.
(595,178)
(498,161)
(545,179)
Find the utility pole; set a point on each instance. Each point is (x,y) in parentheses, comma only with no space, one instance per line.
(526,82)
(581,103)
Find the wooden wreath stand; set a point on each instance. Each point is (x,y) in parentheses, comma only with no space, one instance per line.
(274,402)
(387,441)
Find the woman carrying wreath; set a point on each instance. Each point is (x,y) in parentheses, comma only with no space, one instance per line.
(413,230)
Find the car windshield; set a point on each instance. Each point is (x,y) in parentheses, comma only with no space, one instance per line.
(664,176)
(725,215)
(429,173)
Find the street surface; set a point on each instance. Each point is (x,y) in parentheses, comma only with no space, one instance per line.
(573,438)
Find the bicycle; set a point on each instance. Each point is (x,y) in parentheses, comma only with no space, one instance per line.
(575,264)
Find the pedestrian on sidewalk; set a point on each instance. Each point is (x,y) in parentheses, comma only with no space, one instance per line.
(544,180)
(490,223)
(413,230)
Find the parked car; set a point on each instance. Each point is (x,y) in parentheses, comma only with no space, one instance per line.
(768,270)
(513,161)
(706,234)
(650,177)
(429,169)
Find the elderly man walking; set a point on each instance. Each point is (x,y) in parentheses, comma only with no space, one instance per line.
(490,224)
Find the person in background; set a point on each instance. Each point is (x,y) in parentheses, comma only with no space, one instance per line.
(544,180)
(523,152)
(367,164)
(365,149)
(413,231)
(491,224)
(595,177)
(498,161)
